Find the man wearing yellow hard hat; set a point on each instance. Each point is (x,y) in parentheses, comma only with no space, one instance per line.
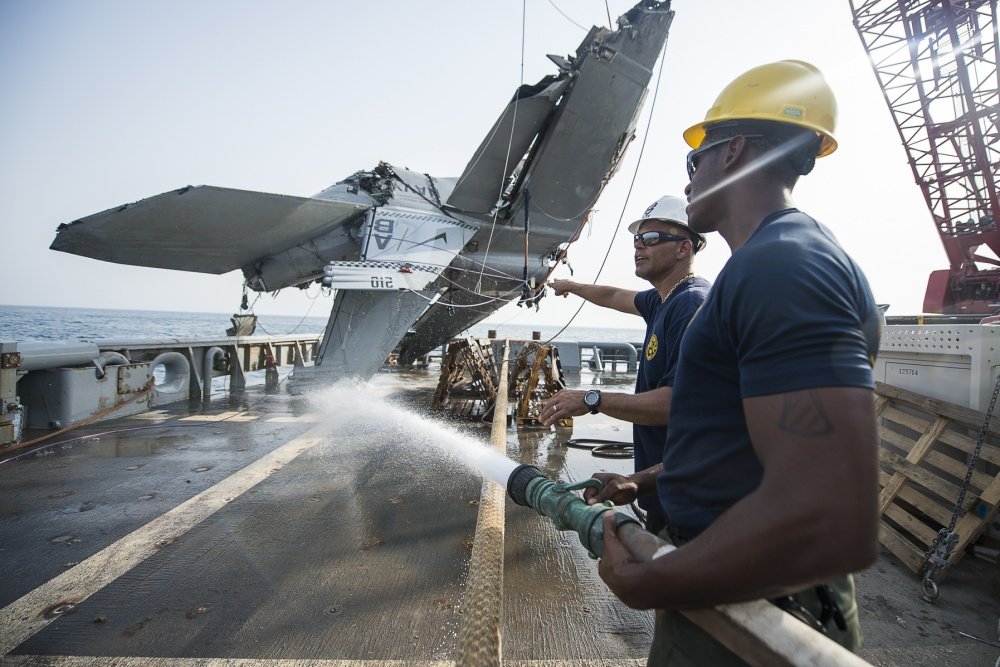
(770,476)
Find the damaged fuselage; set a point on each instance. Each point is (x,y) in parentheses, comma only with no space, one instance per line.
(415,259)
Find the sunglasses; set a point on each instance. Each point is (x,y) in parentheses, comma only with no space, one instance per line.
(692,166)
(653,237)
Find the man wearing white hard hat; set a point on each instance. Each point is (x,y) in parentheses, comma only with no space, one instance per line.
(664,249)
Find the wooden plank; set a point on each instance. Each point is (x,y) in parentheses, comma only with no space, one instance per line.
(969,528)
(553,372)
(532,384)
(991,494)
(897,440)
(912,557)
(989,452)
(916,423)
(918,475)
(906,427)
(914,457)
(965,416)
(515,375)
(957,468)
(758,632)
(524,405)
(911,524)
(931,507)
(448,366)
(484,369)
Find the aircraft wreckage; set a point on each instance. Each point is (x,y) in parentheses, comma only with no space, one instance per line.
(416,259)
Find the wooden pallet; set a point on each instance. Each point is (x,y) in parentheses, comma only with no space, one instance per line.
(468,383)
(536,378)
(924,456)
(469,379)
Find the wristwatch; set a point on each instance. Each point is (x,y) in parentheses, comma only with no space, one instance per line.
(592,399)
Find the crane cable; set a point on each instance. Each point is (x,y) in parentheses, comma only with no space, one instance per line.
(506,161)
(628,195)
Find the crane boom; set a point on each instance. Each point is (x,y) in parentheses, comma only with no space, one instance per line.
(936,62)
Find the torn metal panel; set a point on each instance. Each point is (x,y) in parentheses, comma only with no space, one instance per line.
(204,229)
(595,122)
(575,154)
(485,177)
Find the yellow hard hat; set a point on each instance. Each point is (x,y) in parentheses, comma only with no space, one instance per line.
(788,91)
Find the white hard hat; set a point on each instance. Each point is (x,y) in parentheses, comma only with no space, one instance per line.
(673,210)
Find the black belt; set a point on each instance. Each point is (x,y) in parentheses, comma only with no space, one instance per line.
(828,609)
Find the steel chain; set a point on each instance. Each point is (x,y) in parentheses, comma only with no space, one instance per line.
(939,551)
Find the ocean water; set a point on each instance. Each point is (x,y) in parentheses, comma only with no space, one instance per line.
(34,323)
(28,323)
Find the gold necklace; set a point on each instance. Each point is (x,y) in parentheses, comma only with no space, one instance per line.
(676,285)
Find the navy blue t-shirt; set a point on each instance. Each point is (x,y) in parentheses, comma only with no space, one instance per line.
(789,311)
(665,324)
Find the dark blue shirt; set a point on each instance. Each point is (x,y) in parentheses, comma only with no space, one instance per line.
(665,324)
(789,311)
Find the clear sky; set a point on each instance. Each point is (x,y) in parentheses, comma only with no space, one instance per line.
(110,101)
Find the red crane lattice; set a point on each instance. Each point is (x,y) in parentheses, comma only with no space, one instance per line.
(936,61)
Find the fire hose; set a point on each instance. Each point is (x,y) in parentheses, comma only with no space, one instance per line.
(759,632)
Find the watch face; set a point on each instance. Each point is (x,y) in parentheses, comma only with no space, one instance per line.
(592,398)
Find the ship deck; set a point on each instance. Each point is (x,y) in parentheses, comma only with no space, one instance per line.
(259,529)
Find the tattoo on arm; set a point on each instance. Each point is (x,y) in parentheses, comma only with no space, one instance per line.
(802,414)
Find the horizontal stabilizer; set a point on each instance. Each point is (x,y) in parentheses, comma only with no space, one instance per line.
(203,228)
